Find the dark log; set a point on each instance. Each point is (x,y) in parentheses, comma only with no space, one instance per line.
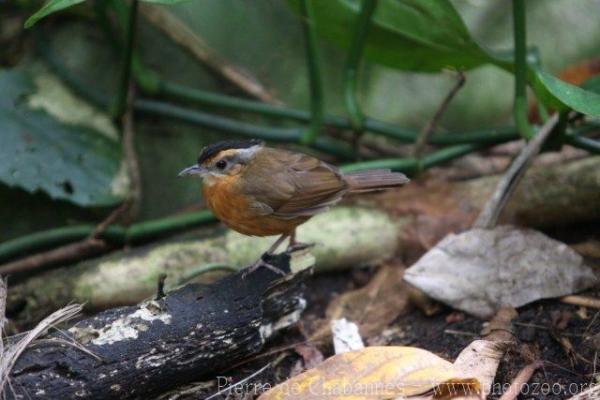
(141,351)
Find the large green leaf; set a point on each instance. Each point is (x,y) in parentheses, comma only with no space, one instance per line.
(39,152)
(569,96)
(416,35)
(53,6)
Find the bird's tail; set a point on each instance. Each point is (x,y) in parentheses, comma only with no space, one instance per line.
(375,179)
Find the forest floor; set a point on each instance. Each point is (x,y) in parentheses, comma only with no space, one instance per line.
(559,335)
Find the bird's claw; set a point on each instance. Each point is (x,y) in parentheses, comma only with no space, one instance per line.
(262,262)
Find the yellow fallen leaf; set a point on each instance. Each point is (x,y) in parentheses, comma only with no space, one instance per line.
(375,373)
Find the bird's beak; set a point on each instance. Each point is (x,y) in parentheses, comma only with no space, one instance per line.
(193,170)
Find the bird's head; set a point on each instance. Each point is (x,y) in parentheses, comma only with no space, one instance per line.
(223,159)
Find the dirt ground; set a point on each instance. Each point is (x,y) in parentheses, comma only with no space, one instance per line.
(560,335)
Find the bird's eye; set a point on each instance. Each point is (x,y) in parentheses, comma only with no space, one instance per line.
(221,164)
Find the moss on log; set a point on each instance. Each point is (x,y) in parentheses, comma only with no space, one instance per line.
(343,237)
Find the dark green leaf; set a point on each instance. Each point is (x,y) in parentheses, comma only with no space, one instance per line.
(38,152)
(417,35)
(50,7)
(571,96)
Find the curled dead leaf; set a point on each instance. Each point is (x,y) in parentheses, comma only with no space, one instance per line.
(375,373)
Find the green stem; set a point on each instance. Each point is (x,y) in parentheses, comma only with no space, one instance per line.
(50,238)
(139,232)
(450,153)
(144,231)
(289,135)
(520,40)
(233,103)
(211,99)
(585,143)
(102,20)
(361,29)
(413,165)
(483,136)
(121,100)
(314,73)
(147,79)
(205,98)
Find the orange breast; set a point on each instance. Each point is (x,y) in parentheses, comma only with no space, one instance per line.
(229,205)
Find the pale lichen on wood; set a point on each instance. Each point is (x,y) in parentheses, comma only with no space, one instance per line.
(144,350)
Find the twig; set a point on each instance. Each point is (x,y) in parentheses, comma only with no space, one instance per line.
(246,379)
(111,219)
(584,301)
(188,391)
(459,333)
(160,287)
(69,342)
(427,131)
(135,187)
(520,380)
(197,47)
(74,251)
(489,215)
(13,352)
(2,314)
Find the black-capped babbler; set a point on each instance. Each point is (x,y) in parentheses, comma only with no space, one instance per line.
(263,191)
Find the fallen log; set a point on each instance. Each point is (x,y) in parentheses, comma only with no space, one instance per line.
(144,350)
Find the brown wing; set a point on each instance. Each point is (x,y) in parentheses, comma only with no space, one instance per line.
(290,185)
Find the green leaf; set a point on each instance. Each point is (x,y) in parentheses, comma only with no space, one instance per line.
(39,152)
(53,6)
(570,96)
(50,7)
(415,35)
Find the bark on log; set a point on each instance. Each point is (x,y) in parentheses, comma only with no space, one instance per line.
(145,350)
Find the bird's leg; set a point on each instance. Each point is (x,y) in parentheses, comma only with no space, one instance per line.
(263,260)
(295,245)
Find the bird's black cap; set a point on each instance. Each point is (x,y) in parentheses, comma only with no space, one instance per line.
(213,149)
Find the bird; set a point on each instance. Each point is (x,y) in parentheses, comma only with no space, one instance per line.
(264,191)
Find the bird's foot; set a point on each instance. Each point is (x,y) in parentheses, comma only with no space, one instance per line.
(297,246)
(262,262)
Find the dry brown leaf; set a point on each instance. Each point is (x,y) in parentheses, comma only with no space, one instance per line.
(375,373)
(372,307)
(483,270)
